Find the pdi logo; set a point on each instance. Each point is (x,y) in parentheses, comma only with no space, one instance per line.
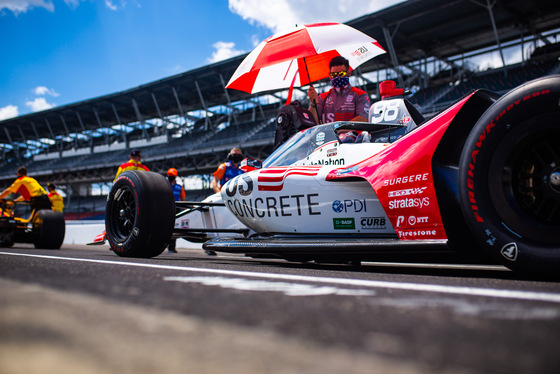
(352,206)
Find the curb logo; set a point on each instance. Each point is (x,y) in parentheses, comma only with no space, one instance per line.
(509,251)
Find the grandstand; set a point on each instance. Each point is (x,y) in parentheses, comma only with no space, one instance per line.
(189,121)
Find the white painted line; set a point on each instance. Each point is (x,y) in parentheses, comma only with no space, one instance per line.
(470,291)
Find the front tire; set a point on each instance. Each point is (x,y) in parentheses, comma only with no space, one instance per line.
(140,214)
(509,179)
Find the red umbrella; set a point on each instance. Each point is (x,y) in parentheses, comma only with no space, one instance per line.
(300,56)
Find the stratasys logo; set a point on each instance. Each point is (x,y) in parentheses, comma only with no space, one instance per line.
(413,202)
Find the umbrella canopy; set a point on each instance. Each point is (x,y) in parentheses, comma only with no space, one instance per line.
(300,56)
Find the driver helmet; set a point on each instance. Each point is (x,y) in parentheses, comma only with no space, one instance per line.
(348,137)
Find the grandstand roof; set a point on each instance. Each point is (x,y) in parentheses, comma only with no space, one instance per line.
(438,28)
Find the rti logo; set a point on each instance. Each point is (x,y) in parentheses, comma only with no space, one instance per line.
(352,206)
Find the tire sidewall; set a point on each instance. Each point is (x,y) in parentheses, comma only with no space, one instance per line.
(514,251)
(154,214)
(50,229)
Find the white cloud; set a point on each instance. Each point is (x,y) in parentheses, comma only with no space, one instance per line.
(8,111)
(120,4)
(223,51)
(73,3)
(42,91)
(40,103)
(109,4)
(284,14)
(22,6)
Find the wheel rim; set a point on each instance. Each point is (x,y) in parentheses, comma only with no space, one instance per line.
(526,194)
(123,214)
(536,179)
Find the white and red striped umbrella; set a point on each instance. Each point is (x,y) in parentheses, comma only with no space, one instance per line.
(301,56)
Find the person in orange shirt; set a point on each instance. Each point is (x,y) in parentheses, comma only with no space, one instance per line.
(134,163)
(227,170)
(179,194)
(55,198)
(29,189)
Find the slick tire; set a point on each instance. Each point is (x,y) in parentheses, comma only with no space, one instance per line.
(49,229)
(509,179)
(140,214)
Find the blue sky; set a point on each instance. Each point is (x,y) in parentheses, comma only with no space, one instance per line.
(56,52)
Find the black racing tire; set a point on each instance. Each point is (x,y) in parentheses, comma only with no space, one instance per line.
(49,229)
(509,179)
(140,214)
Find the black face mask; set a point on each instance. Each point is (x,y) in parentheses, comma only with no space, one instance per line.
(235,157)
(171,178)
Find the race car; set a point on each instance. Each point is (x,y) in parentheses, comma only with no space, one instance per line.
(479,182)
(44,228)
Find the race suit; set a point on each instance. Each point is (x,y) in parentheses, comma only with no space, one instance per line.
(56,201)
(343,105)
(227,171)
(31,191)
(131,165)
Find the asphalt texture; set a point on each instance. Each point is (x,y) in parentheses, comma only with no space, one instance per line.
(82,309)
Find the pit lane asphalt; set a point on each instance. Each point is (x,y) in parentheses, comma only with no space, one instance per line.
(82,309)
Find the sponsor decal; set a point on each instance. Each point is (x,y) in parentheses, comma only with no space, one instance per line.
(346,171)
(406,179)
(345,206)
(337,162)
(417,233)
(411,220)
(272,206)
(509,251)
(272,179)
(332,152)
(344,223)
(360,51)
(373,223)
(242,184)
(413,202)
(182,224)
(320,138)
(408,191)
(404,120)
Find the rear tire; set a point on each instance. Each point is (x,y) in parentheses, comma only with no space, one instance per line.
(49,229)
(509,179)
(140,214)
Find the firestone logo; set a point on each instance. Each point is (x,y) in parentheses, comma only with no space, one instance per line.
(417,233)
(415,202)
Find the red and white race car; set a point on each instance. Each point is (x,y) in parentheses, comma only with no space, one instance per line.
(479,182)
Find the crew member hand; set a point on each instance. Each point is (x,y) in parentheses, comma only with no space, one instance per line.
(312,93)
